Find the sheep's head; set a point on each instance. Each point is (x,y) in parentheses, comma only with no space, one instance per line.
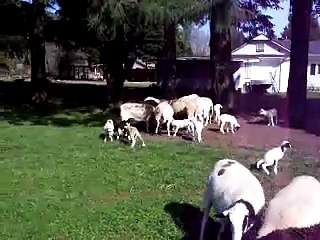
(238,216)
(262,111)
(218,106)
(286,145)
(109,124)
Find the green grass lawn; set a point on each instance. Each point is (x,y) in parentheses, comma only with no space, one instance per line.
(64,183)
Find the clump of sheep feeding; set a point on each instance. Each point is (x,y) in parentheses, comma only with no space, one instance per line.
(236,194)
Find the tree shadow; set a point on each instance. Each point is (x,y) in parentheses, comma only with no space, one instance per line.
(87,116)
(188,219)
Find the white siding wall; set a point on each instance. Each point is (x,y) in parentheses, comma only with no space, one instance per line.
(314,80)
(250,50)
(284,76)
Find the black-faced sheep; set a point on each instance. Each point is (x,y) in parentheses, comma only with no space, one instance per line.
(236,194)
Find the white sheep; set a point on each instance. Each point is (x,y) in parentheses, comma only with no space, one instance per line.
(138,111)
(273,156)
(185,105)
(163,113)
(197,128)
(236,194)
(217,109)
(179,124)
(204,110)
(208,109)
(229,121)
(294,209)
(108,130)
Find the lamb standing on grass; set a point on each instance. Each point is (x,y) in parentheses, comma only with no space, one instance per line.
(273,156)
(295,211)
(196,129)
(236,194)
(229,121)
(108,130)
(133,135)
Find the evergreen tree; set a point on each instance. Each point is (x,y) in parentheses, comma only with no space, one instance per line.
(314,29)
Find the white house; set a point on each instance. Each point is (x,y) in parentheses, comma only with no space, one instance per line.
(265,61)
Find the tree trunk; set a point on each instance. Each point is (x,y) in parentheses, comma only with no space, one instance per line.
(116,66)
(168,61)
(37,49)
(222,82)
(297,85)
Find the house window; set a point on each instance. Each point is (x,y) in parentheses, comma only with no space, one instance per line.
(259,47)
(313,69)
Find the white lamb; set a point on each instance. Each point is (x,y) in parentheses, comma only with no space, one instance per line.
(273,156)
(180,124)
(108,130)
(197,129)
(163,113)
(217,109)
(236,194)
(229,121)
(295,210)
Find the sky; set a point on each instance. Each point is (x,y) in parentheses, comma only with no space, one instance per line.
(280,17)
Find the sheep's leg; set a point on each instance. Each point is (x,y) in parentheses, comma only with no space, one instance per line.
(105,139)
(141,139)
(176,131)
(207,204)
(259,163)
(223,222)
(157,128)
(147,125)
(272,123)
(232,128)
(264,167)
(111,138)
(222,127)
(133,142)
(168,128)
(275,168)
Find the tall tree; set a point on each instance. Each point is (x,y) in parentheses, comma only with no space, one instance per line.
(314,29)
(297,86)
(37,50)
(261,23)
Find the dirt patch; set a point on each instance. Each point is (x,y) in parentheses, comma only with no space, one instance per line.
(252,140)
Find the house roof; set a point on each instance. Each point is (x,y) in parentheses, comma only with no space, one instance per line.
(314,46)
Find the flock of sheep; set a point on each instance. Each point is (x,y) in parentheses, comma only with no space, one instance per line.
(190,112)
(236,193)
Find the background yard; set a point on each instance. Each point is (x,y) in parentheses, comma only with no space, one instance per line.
(59,181)
(64,183)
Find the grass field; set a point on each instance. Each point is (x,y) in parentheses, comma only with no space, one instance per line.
(64,183)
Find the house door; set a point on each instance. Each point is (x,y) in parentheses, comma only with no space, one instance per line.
(247,69)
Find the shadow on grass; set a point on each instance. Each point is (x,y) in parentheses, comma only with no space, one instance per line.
(188,219)
(87,116)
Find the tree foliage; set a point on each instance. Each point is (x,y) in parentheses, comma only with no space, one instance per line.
(314,29)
